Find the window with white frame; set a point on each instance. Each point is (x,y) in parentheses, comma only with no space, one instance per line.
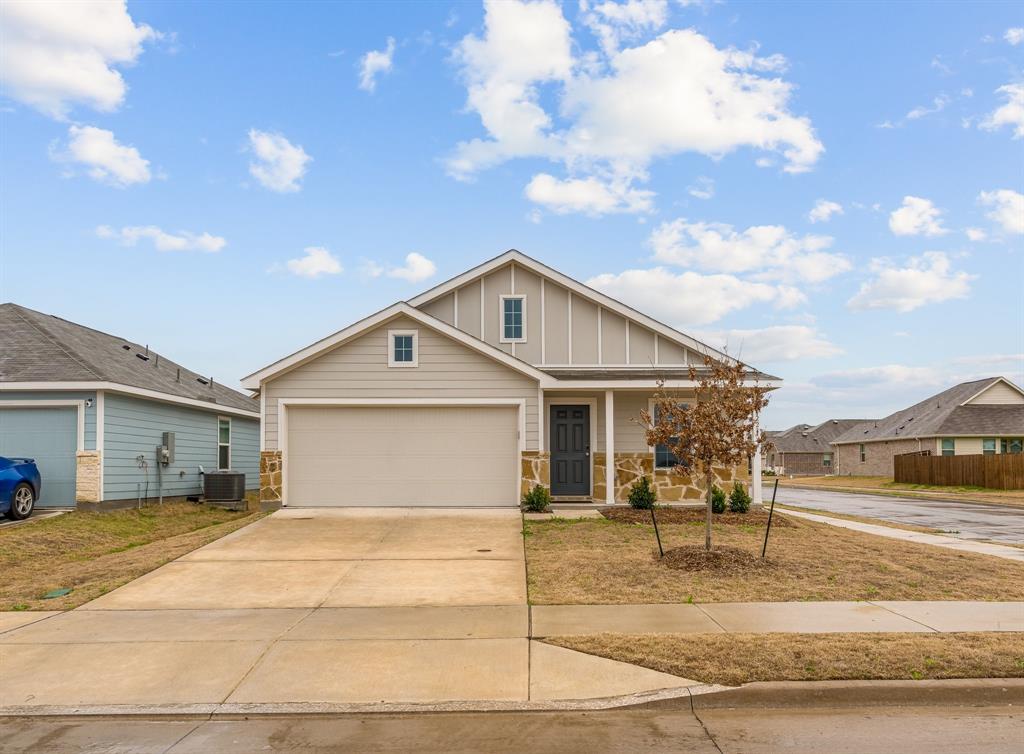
(223,443)
(863,453)
(948,446)
(403,348)
(988,446)
(826,460)
(513,319)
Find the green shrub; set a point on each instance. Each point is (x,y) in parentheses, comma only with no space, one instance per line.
(642,495)
(537,500)
(717,499)
(739,499)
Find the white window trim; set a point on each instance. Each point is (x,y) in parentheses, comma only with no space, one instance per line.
(231,437)
(415,349)
(501,317)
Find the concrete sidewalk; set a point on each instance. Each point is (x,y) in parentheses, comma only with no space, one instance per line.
(777,617)
(939,540)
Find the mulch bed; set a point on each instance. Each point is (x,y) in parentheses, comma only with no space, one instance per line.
(692,515)
(722,559)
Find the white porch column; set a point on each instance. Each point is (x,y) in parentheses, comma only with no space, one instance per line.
(609,446)
(755,473)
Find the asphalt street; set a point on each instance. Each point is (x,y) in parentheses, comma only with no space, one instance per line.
(964,520)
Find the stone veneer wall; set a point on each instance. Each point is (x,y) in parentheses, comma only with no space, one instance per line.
(87,476)
(270,476)
(536,469)
(672,487)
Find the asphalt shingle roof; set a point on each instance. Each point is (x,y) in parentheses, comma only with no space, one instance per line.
(804,438)
(37,347)
(943,414)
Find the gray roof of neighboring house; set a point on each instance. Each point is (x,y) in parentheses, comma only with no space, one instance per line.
(943,414)
(803,438)
(37,347)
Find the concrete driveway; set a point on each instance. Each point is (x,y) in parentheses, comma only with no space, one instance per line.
(325,606)
(962,520)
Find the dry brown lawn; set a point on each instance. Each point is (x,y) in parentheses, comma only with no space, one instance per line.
(597,561)
(94,552)
(882,485)
(733,659)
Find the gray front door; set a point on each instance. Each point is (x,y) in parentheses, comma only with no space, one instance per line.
(570,450)
(50,436)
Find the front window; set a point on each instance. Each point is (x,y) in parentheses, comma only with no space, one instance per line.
(223,444)
(402,348)
(664,458)
(988,446)
(1013,445)
(513,319)
(826,460)
(948,446)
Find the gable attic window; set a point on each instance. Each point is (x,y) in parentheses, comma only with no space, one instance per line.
(513,319)
(403,348)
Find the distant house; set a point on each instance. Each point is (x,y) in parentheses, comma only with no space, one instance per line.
(92,408)
(978,417)
(804,449)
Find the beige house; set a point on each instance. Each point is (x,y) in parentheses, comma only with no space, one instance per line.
(978,417)
(509,375)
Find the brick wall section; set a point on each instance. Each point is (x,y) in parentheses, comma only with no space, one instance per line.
(270,476)
(805,463)
(87,477)
(877,457)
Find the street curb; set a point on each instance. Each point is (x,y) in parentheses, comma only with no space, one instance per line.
(906,494)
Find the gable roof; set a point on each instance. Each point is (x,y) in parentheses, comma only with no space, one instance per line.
(946,413)
(252,381)
(803,438)
(578,288)
(41,348)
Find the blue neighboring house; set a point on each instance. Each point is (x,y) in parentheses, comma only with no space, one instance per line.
(93,408)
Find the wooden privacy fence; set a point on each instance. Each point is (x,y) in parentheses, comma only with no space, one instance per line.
(998,472)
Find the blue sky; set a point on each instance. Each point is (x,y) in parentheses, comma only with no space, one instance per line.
(832,190)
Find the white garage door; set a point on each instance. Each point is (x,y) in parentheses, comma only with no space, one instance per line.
(402,455)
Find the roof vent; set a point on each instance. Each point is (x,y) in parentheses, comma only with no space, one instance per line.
(142,356)
(126,347)
(835,421)
(202,381)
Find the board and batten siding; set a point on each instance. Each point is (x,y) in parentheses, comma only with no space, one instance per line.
(359,369)
(60,395)
(135,426)
(606,338)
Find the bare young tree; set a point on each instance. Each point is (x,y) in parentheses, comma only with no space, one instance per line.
(718,427)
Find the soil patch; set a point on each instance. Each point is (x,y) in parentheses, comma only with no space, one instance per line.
(725,560)
(668,515)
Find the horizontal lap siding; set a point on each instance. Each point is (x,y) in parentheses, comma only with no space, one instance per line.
(135,427)
(447,369)
(55,395)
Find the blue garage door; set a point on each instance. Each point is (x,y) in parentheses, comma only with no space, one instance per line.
(49,435)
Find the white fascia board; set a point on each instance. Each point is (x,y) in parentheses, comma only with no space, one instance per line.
(253,381)
(641,384)
(138,392)
(576,287)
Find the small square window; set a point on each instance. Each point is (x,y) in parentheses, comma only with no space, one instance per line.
(513,319)
(988,446)
(948,446)
(402,349)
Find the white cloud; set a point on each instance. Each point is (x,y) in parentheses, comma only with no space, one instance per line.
(316,262)
(416,268)
(613,22)
(183,240)
(1014,35)
(279,164)
(975,234)
(938,105)
(823,211)
(927,279)
(619,109)
(702,188)
(1010,114)
(888,376)
(590,196)
(916,217)
(104,159)
(769,250)
(771,344)
(689,298)
(55,54)
(1007,209)
(375,63)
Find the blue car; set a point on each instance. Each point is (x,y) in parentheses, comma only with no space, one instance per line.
(20,485)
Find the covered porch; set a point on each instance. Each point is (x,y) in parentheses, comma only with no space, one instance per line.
(593,447)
